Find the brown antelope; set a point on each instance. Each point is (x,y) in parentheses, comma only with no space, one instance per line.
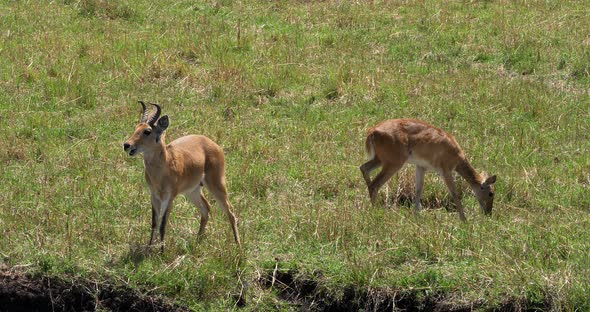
(183,166)
(395,142)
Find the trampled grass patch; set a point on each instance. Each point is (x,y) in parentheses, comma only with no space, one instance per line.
(288,89)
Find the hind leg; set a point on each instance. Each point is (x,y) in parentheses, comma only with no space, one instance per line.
(216,185)
(368,167)
(390,154)
(386,173)
(196,197)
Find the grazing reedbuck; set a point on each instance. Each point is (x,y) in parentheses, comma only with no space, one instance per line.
(392,143)
(183,166)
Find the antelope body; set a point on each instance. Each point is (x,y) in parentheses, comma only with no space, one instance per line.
(181,167)
(395,142)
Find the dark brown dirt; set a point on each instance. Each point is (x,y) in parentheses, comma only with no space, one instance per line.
(22,292)
(309,295)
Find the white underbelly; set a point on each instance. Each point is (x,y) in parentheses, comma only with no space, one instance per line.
(420,162)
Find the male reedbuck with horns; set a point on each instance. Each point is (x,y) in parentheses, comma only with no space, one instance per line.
(183,166)
(392,143)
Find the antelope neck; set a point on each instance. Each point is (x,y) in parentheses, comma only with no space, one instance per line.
(468,173)
(156,157)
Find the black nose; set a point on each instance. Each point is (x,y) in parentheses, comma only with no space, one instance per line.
(126,146)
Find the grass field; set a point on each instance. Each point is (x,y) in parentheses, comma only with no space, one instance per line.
(288,89)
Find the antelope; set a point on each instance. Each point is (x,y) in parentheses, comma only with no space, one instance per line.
(395,142)
(183,166)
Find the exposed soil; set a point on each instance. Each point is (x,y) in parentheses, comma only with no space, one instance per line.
(309,295)
(21,292)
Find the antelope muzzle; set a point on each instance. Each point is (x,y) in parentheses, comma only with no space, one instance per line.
(132,150)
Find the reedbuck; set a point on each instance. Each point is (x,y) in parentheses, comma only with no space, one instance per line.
(183,166)
(392,143)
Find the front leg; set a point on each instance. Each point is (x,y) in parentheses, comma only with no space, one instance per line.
(450,183)
(420,172)
(155,218)
(165,207)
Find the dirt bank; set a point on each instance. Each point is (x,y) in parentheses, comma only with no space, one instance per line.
(310,295)
(22,292)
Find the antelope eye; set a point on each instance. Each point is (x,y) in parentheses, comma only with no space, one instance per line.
(147,131)
(491,194)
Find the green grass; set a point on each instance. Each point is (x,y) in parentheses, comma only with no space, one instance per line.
(289,89)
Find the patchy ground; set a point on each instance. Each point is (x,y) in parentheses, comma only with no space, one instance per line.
(22,292)
(309,295)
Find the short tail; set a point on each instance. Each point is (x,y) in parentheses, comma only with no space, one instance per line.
(370,145)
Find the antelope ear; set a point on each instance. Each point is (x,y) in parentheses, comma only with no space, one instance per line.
(163,122)
(490,180)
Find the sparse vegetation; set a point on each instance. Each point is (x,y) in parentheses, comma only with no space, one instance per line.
(288,89)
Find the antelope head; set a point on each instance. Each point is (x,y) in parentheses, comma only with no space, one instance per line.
(485,194)
(148,133)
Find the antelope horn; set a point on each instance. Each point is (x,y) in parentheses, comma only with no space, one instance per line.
(155,116)
(144,112)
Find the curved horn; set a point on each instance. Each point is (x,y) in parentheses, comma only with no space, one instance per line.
(154,118)
(144,112)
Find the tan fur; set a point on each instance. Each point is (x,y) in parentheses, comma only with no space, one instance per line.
(395,142)
(181,167)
